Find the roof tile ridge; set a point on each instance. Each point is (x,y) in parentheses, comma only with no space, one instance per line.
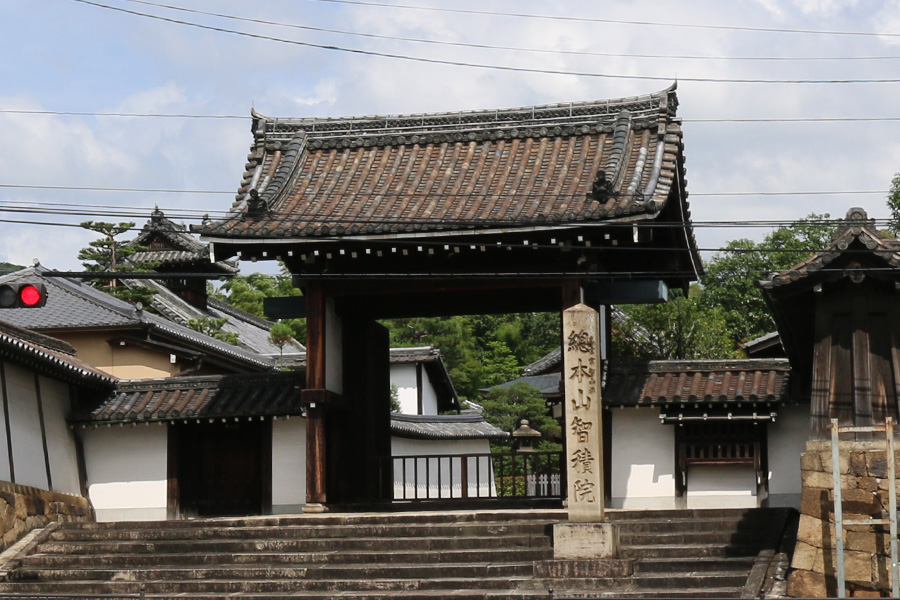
(239,313)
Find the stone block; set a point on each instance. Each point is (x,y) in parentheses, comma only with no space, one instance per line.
(859,501)
(876,463)
(816,532)
(583,568)
(585,540)
(869,484)
(864,593)
(858,566)
(816,502)
(873,543)
(858,465)
(825,457)
(817,479)
(806,584)
(806,556)
(809,461)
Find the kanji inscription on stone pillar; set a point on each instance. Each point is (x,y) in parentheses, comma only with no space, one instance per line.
(583,414)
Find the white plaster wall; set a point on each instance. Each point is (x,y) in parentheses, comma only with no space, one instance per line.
(721,486)
(60,439)
(422,483)
(127,472)
(404,377)
(334,363)
(787,441)
(429,395)
(643,460)
(288,465)
(28,450)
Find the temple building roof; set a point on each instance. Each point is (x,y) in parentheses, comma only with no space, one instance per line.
(506,171)
(170,246)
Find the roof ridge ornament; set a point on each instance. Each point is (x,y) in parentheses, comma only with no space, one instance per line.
(856,220)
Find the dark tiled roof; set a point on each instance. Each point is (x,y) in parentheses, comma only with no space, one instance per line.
(717,382)
(72,305)
(200,397)
(178,247)
(443,427)
(857,229)
(552,361)
(458,171)
(49,356)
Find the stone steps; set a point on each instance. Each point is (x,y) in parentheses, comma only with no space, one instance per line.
(416,556)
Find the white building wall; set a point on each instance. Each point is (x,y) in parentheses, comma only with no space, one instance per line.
(422,478)
(28,449)
(643,460)
(60,439)
(288,465)
(787,441)
(404,377)
(721,486)
(127,472)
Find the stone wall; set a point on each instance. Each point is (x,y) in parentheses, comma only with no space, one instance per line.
(867,563)
(23,509)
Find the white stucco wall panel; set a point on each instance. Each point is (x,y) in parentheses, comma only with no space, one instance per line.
(643,460)
(127,471)
(404,377)
(424,478)
(60,439)
(787,441)
(288,465)
(28,449)
(721,486)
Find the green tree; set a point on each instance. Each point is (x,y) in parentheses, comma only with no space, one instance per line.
(281,335)
(682,328)
(110,254)
(893,202)
(498,365)
(505,408)
(731,275)
(247,292)
(212,327)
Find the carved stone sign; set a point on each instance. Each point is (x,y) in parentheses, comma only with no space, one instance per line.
(583,414)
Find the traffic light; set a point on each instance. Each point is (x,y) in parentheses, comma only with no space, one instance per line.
(22,295)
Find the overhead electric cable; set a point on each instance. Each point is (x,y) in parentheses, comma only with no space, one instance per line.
(19,111)
(505,48)
(456,63)
(423,194)
(613,21)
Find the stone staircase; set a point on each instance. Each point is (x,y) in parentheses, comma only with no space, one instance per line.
(415,556)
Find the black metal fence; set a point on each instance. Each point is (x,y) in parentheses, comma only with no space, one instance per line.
(482,476)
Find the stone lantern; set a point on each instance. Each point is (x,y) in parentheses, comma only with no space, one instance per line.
(525,437)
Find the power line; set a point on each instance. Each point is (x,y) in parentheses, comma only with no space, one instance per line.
(245,118)
(507,48)
(426,194)
(456,63)
(612,21)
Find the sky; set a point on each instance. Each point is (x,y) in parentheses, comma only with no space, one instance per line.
(759,146)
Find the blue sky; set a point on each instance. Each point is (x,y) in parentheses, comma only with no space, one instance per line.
(63,55)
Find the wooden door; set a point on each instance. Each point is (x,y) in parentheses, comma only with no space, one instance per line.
(223,469)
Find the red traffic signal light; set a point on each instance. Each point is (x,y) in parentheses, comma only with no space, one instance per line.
(22,295)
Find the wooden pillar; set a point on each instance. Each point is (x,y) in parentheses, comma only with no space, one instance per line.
(315,411)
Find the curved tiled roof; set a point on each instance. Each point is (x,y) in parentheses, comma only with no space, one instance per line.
(717,382)
(535,166)
(199,398)
(178,248)
(443,427)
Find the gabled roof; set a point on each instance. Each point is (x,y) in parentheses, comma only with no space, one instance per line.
(72,305)
(609,161)
(444,427)
(169,244)
(857,253)
(198,398)
(49,356)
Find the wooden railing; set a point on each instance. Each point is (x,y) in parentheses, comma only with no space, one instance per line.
(473,477)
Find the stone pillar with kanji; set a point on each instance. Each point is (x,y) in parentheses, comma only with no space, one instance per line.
(586,535)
